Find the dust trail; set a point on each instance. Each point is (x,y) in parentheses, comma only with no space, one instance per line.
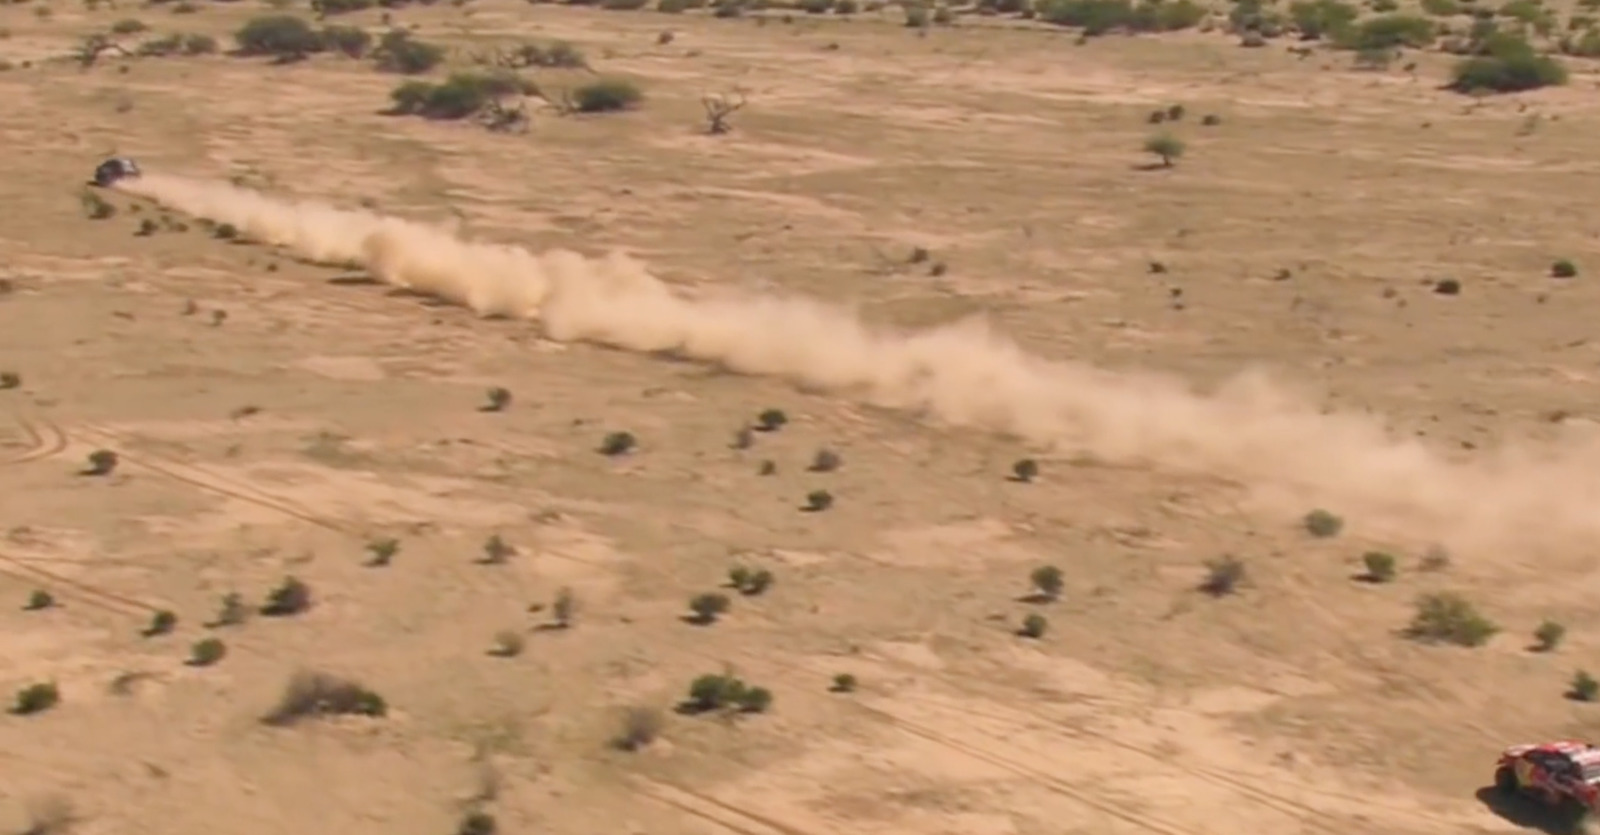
(1250,430)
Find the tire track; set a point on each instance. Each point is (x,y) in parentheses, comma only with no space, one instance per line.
(110,601)
(44,440)
(1029,774)
(206,481)
(709,809)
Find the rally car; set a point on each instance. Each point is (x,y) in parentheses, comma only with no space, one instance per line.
(1564,774)
(114,169)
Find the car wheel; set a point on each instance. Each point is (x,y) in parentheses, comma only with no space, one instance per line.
(1505,780)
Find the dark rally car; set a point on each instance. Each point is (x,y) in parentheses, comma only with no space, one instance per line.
(117,168)
(1564,774)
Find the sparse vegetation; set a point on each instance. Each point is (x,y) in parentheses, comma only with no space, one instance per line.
(1584,688)
(1322,524)
(399,52)
(640,727)
(844,683)
(1563,268)
(161,623)
(383,551)
(207,652)
(478,822)
(725,692)
(1548,636)
(497,550)
(499,399)
(771,420)
(292,597)
(10,380)
(36,698)
(618,443)
(1166,146)
(706,608)
(606,95)
(40,599)
(718,110)
(1223,576)
(1380,566)
(1025,470)
(1504,63)
(1448,618)
(826,461)
(282,36)
(311,694)
(508,643)
(1034,625)
(232,612)
(95,206)
(102,462)
(564,609)
(1047,582)
(817,501)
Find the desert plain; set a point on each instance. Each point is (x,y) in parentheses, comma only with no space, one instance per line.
(273,417)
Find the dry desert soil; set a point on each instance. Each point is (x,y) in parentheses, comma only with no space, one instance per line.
(273,417)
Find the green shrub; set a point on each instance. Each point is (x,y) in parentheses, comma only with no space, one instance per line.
(1548,636)
(1322,524)
(1047,581)
(1584,688)
(706,608)
(1390,31)
(1506,74)
(1166,146)
(129,26)
(1034,626)
(461,95)
(329,8)
(605,95)
(398,52)
(349,40)
(1380,566)
(1316,19)
(844,683)
(279,36)
(1564,268)
(1097,17)
(207,652)
(36,698)
(1441,8)
(1447,617)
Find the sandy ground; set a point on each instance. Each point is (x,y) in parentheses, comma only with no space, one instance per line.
(1303,234)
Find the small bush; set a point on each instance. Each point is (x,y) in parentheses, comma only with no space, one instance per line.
(1548,636)
(1446,617)
(508,644)
(225,232)
(383,551)
(329,8)
(279,36)
(1505,64)
(825,461)
(398,52)
(128,26)
(1322,524)
(1166,146)
(1583,688)
(233,611)
(310,694)
(161,623)
(95,206)
(818,500)
(564,608)
(206,652)
(713,692)
(10,380)
(1316,19)
(497,550)
(36,698)
(40,599)
(1380,566)
(755,700)
(618,443)
(1563,269)
(1025,470)
(499,399)
(771,420)
(352,41)
(291,598)
(844,683)
(102,462)
(477,822)
(1047,581)
(1034,626)
(607,95)
(640,727)
(707,607)
(1389,31)
(1223,577)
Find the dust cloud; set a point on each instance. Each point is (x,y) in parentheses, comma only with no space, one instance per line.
(1250,431)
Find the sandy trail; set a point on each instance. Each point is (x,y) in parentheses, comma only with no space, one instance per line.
(1251,430)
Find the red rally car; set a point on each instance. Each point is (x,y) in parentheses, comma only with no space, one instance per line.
(1563,774)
